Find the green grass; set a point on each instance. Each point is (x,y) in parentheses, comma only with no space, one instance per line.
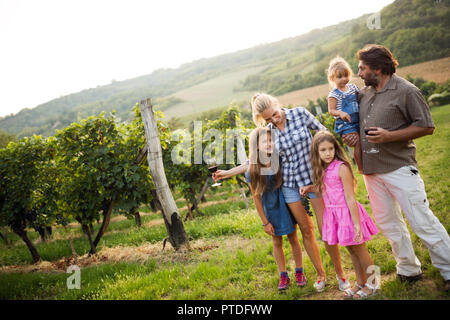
(231,256)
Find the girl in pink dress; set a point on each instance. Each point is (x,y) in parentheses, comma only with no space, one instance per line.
(345,221)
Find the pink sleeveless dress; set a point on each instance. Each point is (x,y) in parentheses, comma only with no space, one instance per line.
(337,221)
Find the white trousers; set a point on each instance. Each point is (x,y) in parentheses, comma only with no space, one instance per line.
(404,188)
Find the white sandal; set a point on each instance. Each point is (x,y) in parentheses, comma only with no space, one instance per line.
(343,284)
(349,293)
(320,285)
(363,295)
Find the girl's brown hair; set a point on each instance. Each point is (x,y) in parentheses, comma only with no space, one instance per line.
(318,166)
(258,181)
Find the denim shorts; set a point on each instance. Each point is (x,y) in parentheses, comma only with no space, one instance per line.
(293,194)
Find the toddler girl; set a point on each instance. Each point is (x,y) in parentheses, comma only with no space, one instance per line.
(343,103)
(345,221)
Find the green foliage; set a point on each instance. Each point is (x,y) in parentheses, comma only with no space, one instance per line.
(188,176)
(27,198)
(5,138)
(435,94)
(439,99)
(23,189)
(89,154)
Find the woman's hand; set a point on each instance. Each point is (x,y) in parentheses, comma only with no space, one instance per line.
(358,233)
(305,190)
(268,228)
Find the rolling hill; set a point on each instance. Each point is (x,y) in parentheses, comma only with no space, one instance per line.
(415,31)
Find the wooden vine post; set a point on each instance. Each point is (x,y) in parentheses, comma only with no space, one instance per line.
(177,235)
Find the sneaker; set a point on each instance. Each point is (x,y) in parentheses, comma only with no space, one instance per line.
(284,282)
(300,278)
(319,285)
(344,284)
(409,279)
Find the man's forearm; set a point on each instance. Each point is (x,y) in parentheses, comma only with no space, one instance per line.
(406,134)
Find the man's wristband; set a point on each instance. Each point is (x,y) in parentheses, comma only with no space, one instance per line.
(266,224)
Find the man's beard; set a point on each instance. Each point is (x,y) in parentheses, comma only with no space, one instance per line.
(371,80)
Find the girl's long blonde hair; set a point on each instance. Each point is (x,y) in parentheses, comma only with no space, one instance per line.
(258,181)
(318,166)
(338,67)
(261,102)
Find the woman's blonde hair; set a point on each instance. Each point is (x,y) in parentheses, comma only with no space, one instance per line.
(338,67)
(261,102)
(258,181)
(318,166)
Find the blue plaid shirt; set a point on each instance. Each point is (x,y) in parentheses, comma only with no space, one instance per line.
(294,145)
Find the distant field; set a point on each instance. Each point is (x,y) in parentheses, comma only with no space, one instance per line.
(213,93)
(436,70)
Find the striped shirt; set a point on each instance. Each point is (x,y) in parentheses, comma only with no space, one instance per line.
(338,94)
(397,106)
(294,145)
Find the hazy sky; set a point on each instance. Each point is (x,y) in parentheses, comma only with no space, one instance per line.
(54,48)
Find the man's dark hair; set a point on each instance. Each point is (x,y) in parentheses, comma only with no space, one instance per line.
(378,57)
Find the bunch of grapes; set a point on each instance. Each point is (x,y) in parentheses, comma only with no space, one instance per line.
(305,202)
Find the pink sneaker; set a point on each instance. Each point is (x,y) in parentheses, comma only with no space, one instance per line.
(284,282)
(300,278)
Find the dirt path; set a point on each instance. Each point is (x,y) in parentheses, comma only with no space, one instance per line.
(119,254)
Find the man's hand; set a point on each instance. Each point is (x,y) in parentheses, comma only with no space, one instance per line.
(378,135)
(350,139)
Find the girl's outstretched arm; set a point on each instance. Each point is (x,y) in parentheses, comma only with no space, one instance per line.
(268,228)
(347,181)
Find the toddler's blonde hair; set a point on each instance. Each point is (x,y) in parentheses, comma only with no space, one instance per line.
(261,102)
(338,67)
